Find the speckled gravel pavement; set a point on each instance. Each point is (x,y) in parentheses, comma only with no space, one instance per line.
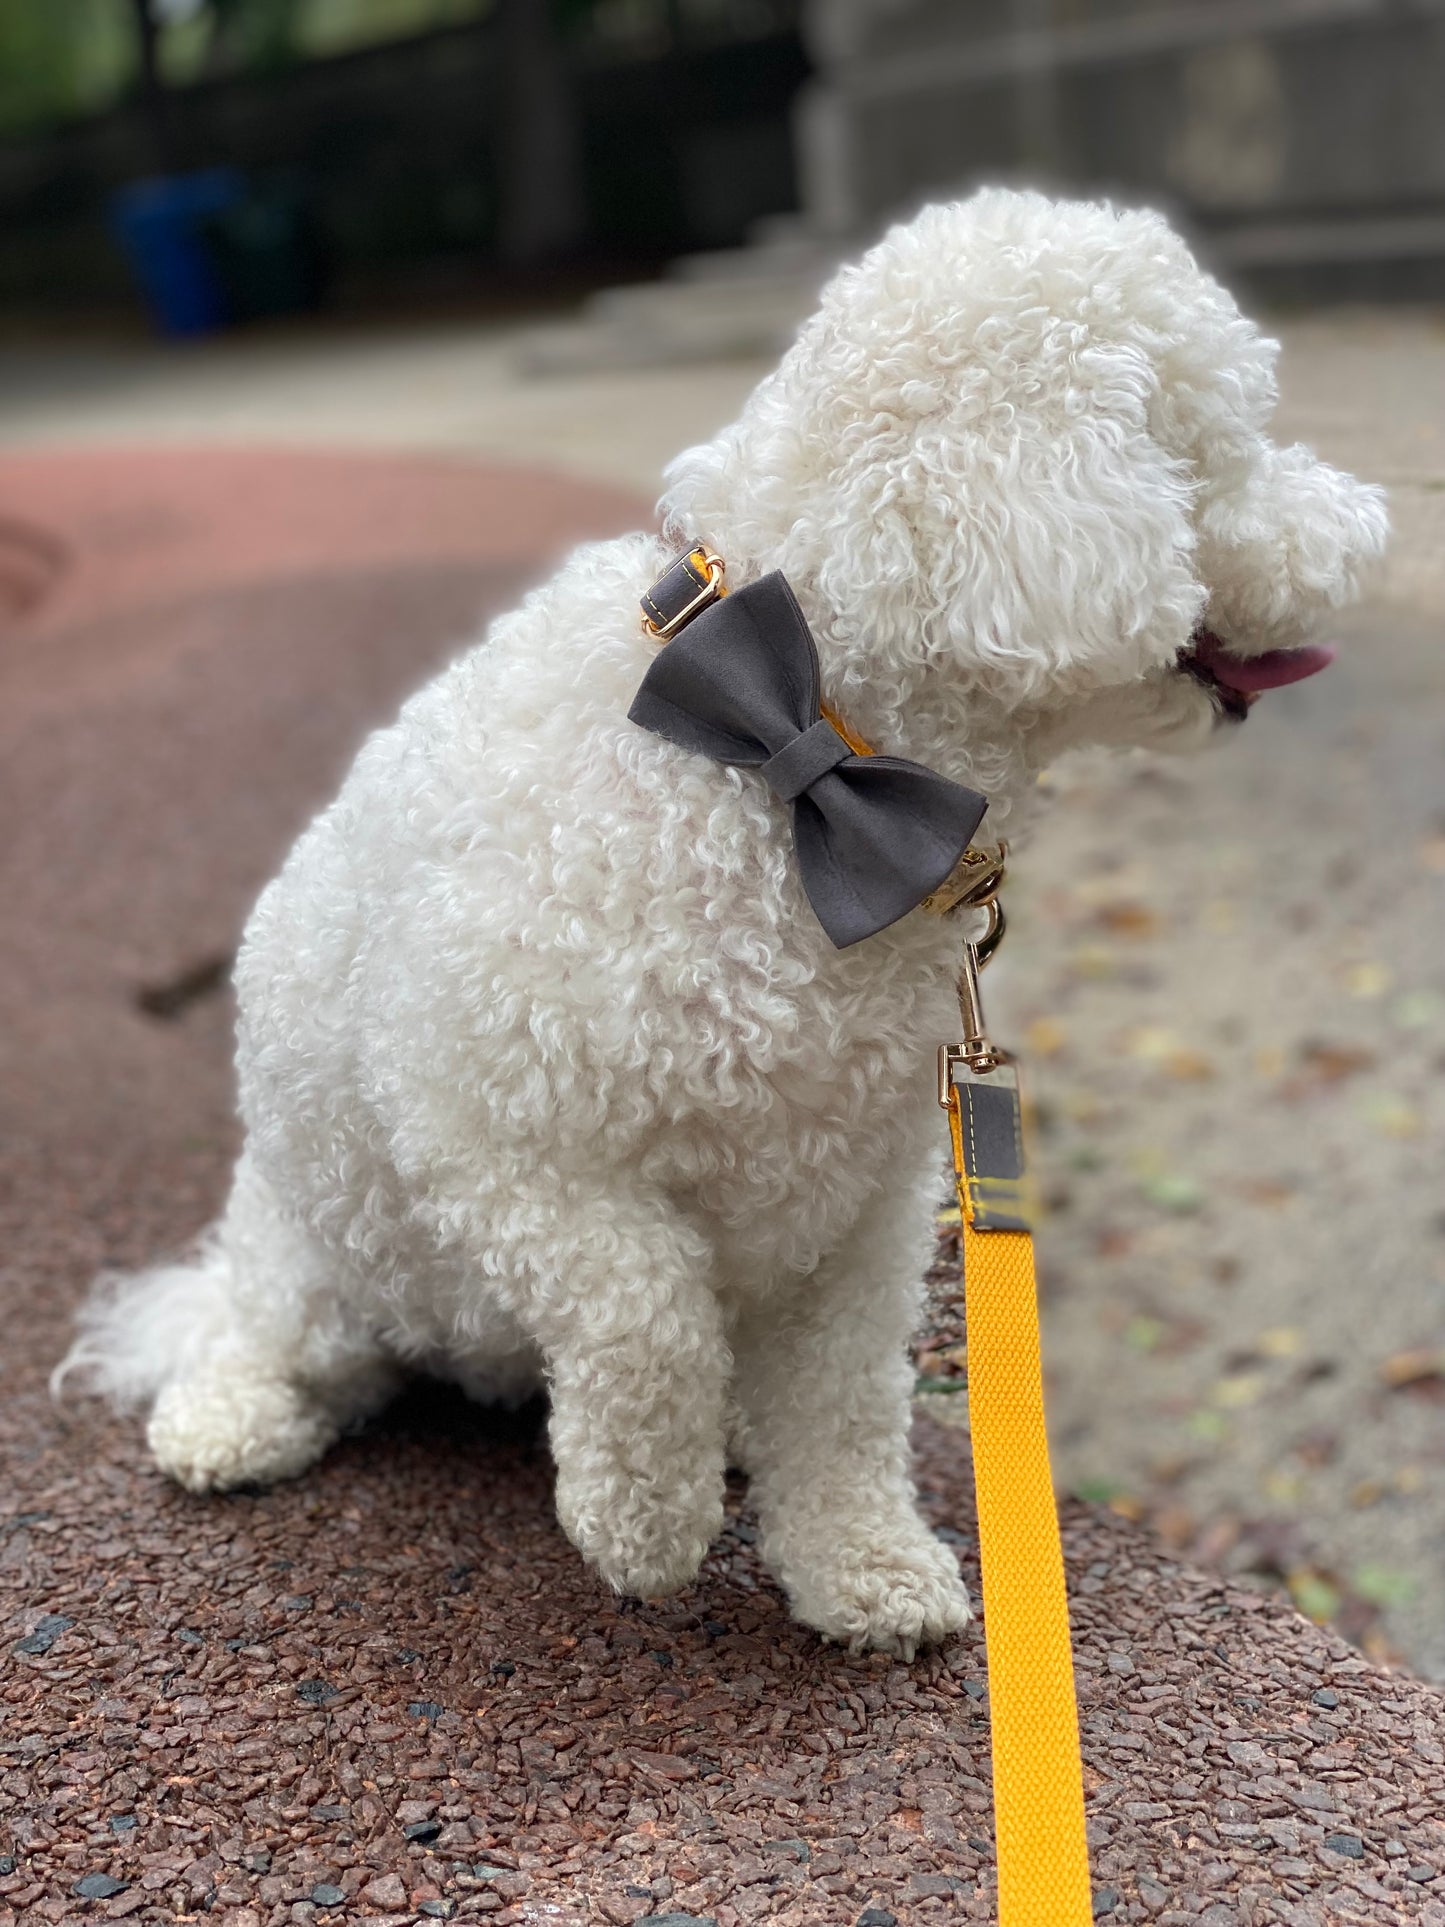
(390,1691)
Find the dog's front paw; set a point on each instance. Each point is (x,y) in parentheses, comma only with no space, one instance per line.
(890,1596)
(644,1546)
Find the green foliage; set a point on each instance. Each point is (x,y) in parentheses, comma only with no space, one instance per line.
(333,26)
(258,36)
(62,58)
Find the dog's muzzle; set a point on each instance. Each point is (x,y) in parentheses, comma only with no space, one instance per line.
(1237,681)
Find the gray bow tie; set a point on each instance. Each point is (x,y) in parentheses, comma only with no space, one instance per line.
(874,835)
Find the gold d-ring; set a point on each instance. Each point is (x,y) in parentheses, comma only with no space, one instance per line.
(971,882)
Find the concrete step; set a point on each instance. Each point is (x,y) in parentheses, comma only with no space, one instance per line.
(800,256)
(734,304)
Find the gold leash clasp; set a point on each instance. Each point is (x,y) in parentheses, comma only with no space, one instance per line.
(976,1051)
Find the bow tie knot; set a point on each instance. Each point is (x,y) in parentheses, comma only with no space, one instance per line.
(874,835)
(799,764)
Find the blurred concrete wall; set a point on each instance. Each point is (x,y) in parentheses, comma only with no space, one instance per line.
(1305,136)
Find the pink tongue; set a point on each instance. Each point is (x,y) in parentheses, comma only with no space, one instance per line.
(1273,670)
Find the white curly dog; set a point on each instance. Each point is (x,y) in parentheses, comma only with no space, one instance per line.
(548,1072)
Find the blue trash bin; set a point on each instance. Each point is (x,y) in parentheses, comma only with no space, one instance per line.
(161,226)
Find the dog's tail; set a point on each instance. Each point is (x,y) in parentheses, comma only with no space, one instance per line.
(139,1331)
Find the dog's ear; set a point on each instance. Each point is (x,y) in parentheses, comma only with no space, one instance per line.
(1284,541)
(1045,541)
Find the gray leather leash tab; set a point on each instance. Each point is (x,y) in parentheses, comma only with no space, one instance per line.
(999,1192)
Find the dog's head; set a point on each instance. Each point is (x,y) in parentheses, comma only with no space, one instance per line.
(1019,459)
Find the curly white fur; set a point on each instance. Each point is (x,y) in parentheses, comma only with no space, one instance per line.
(548,1071)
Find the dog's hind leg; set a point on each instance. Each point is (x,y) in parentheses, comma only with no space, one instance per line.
(507,1372)
(246,1353)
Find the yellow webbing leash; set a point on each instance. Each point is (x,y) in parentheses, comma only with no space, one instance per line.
(1043,1861)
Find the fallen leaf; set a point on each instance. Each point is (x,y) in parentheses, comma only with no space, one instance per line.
(1408,1478)
(1151,1043)
(1273,1192)
(1173,1191)
(1097,1491)
(1366,1493)
(1189,1066)
(1393,1114)
(1322,1065)
(1333,1062)
(1403,1370)
(1114,1244)
(1280,1341)
(1382,1585)
(1206,1425)
(1314,1370)
(1417,1010)
(1046,1037)
(1239,1389)
(1142,1334)
(1171,1468)
(1132,920)
(1285,1488)
(1368,980)
(1128,1506)
(1316,1598)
